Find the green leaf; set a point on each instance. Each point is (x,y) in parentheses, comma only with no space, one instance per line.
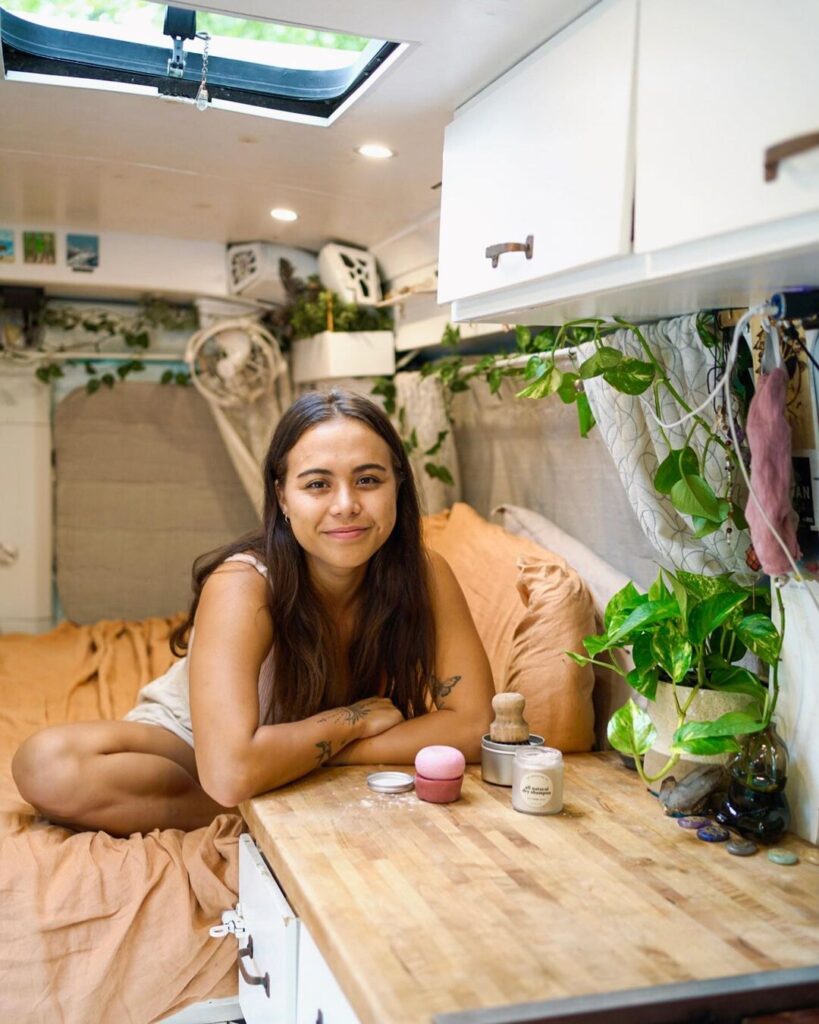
(734,723)
(568,391)
(439,473)
(631,376)
(451,336)
(585,417)
(535,368)
(622,604)
(494,379)
(108,380)
(92,385)
(630,730)
(645,615)
(658,590)
(605,358)
(672,650)
(706,586)
(41,373)
(705,746)
(642,654)
(707,615)
(456,384)
(182,379)
(704,527)
(671,469)
(123,370)
(523,338)
(692,495)
(738,516)
(644,682)
(442,435)
(761,636)
(681,594)
(545,340)
(166,377)
(734,679)
(595,644)
(707,329)
(546,384)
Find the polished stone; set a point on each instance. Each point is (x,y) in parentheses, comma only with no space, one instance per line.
(782,857)
(742,847)
(693,822)
(713,834)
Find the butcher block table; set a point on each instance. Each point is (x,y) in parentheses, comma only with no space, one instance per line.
(422,909)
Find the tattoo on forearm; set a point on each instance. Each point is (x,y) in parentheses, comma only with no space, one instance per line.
(350,715)
(325,752)
(441,688)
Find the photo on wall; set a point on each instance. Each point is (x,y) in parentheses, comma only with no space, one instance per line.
(6,246)
(39,247)
(83,252)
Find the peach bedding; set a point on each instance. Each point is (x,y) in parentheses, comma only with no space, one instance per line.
(94,928)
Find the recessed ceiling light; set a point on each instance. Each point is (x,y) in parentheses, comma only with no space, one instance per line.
(375,151)
(280,213)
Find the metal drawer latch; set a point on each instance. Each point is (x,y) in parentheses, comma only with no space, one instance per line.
(234,924)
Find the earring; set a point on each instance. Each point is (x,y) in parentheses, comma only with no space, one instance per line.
(287,518)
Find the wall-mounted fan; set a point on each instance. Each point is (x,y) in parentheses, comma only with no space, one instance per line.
(234,362)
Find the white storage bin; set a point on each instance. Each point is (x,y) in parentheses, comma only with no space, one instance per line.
(343,354)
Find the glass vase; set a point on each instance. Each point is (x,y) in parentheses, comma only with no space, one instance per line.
(755,805)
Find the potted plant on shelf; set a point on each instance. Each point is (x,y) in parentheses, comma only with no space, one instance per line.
(687,636)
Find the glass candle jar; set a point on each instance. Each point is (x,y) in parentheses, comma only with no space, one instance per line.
(537,780)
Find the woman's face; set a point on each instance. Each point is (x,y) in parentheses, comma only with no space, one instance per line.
(340,494)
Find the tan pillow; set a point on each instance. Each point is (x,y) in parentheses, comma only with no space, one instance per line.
(433,526)
(484,559)
(559,613)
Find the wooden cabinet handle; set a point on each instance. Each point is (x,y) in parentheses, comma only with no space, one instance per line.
(252,979)
(494,252)
(774,155)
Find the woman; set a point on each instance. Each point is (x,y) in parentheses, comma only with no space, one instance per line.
(325,638)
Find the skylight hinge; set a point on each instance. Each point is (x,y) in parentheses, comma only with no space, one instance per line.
(179,25)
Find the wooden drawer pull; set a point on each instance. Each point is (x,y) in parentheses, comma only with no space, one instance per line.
(252,979)
(774,155)
(494,252)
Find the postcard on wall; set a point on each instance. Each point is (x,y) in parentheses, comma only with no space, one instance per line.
(6,246)
(83,252)
(39,247)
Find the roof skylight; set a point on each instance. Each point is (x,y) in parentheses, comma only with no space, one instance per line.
(289,71)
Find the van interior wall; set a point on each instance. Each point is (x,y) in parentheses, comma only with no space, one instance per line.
(529,453)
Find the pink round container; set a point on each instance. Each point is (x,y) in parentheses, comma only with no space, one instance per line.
(439,762)
(438,791)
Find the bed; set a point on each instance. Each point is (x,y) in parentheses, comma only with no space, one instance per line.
(94,928)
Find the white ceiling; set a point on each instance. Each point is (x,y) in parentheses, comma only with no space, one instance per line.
(98,161)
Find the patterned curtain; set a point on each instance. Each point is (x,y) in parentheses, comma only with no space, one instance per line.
(637,446)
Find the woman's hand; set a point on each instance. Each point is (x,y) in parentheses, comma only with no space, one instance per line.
(372,716)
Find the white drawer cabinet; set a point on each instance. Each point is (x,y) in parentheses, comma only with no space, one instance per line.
(719,83)
(545,152)
(283,978)
(320,1000)
(268,951)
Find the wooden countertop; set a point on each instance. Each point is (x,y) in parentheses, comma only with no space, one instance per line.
(422,909)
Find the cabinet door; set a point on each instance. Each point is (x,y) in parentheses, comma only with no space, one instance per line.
(320,1000)
(718,83)
(547,152)
(270,947)
(26,505)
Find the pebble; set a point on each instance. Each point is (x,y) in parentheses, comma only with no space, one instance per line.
(742,847)
(782,857)
(693,822)
(713,833)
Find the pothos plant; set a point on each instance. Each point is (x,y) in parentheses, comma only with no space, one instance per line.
(689,631)
(134,330)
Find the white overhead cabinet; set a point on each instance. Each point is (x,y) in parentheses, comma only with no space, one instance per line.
(718,85)
(544,154)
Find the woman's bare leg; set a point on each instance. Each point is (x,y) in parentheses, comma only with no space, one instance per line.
(120,777)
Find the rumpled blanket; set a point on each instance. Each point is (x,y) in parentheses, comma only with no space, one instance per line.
(94,928)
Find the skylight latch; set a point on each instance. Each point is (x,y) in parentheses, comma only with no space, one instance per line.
(179,25)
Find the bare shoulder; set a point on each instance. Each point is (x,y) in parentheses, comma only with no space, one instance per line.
(236,595)
(441,576)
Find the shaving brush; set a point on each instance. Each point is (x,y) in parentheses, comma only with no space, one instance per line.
(509,726)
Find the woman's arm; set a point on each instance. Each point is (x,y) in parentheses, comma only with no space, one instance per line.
(461,690)
(236,757)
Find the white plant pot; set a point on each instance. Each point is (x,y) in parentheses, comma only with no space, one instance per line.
(343,354)
(706,706)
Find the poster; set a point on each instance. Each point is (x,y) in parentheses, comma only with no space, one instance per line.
(83,252)
(39,247)
(6,246)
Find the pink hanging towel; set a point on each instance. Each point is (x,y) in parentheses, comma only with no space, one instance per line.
(769,438)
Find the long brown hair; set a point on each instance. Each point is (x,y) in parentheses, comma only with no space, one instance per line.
(394,638)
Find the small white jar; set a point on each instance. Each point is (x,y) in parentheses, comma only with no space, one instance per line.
(537,780)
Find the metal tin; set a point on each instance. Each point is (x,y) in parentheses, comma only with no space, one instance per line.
(391,782)
(498,759)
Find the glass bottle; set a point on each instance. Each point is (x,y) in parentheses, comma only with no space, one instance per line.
(755,804)
(537,780)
